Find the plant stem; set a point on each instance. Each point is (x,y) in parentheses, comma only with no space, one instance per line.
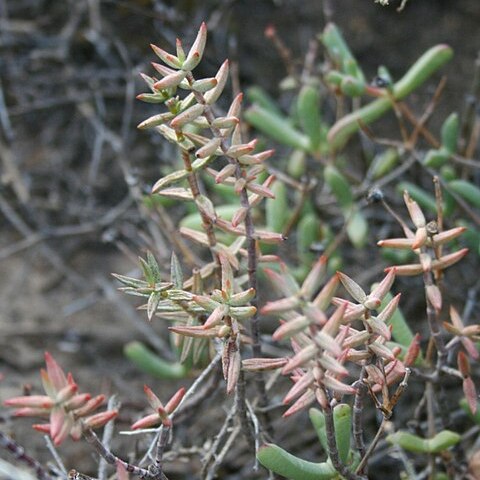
(357,414)
(161,444)
(207,222)
(91,438)
(19,453)
(339,466)
(372,446)
(252,259)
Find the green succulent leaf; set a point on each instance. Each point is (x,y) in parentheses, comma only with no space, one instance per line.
(421,70)
(276,209)
(413,443)
(339,186)
(467,191)
(276,127)
(450,131)
(279,461)
(308,109)
(152,364)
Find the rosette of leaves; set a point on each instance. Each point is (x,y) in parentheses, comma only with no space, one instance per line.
(198,318)
(224,311)
(68,411)
(427,243)
(323,345)
(324,348)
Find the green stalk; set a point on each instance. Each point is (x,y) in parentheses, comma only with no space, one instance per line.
(420,71)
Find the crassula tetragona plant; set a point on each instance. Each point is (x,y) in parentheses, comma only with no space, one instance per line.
(343,351)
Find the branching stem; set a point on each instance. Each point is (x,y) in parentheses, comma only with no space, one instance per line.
(150,474)
(357,415)
(252,259)
(19,453)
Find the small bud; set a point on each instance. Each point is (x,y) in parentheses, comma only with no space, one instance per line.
(151,97)
(386,314)
(66,393)
(151,420)
(180,51)
(153,400)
